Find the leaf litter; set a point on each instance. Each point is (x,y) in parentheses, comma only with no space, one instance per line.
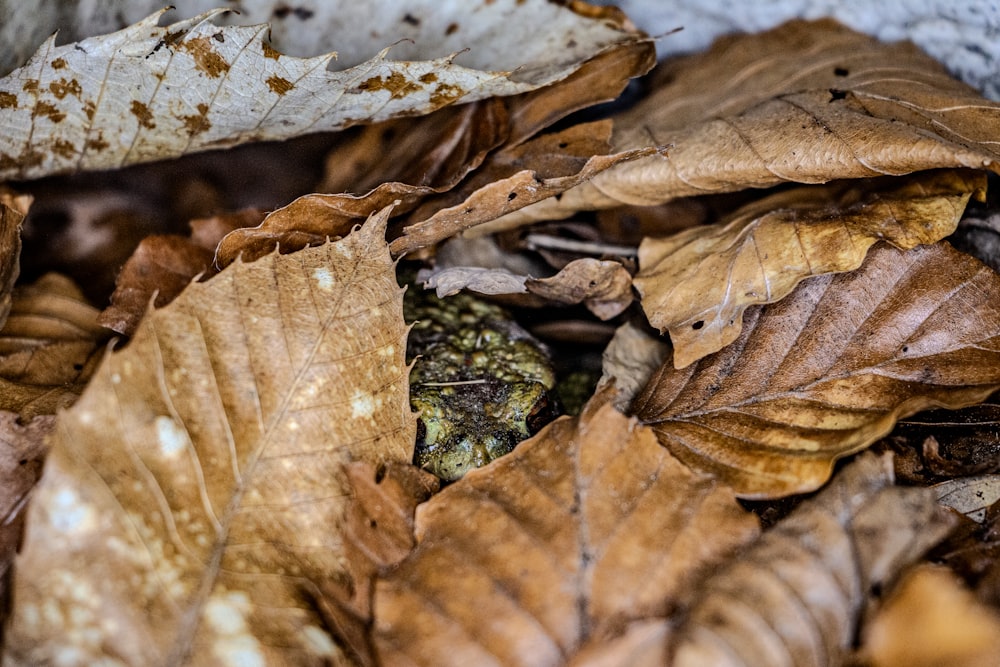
(177,491)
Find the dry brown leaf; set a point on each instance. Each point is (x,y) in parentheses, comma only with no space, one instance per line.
(49,347)
(794,598)
(829,369)
(194,85)
(13,208)
(629,359)
(971,496)
(190,502)
(808,102)
(431,153)
(697,284)
(931,620)
(587,525)
(378,533)
(513,178)
(605,287)
(22,453)
(163,265)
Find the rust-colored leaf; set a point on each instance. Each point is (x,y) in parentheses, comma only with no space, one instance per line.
(807,102)
(829,369)
(796,595)
(698,283)
(582,528)
(191,500)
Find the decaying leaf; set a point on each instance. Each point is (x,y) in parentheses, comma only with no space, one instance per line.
(582,528)
(931,620)
(484,281)
(22,453)
(148,92)
(697,283)
(191,500)
(163,265)
(971,496)
(13,208)
(49,347)
(631,357)
(807,102)
(829,369)
(605,287)
(378,533)
(513,178)
(796,595)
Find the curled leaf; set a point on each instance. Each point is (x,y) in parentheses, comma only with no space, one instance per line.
(807,102)
(829,369)
(698,283)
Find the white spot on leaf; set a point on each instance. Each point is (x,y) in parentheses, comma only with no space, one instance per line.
(69,514)
(170,436)
(323,278)
(362,406)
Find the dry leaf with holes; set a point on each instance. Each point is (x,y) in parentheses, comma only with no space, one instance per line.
(603,286)
(148,92)
(807,102)
(796,595)
(587,525)
(191,500)
(829,369)
(697,284)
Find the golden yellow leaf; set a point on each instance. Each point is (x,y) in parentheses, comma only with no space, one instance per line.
(794,598)
(190,505)
(830,368)
(697,283)
(807,102)
(582,528)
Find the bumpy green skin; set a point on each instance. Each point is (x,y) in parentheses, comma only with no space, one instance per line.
(481,383)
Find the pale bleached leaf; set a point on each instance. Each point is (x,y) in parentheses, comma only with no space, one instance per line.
(148,92)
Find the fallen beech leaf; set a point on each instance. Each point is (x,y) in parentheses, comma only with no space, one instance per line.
(543,167)
(378,533)
(194,85)
(163,265)
(190,502)
(160,267)
(49,347)
(796,595)
(971,496)
(631,357)
(582,528)
(643,644)
(697,283)
(22,453)
(931,620)
(13,208)
(807,102)
(432,153)
(605,287)
(485,281)
(829,369)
